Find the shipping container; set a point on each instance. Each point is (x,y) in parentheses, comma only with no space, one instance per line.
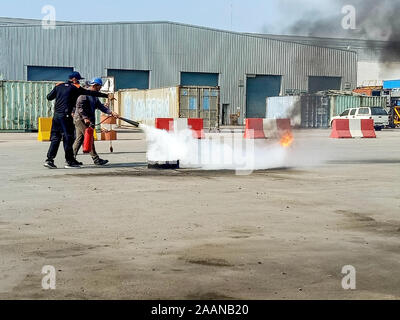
(145,106)
(22,103)
(373,102)
(315,111)
(306,111)
(200,102)
(342,103)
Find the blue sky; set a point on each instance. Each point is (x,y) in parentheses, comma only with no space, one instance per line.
(245,16)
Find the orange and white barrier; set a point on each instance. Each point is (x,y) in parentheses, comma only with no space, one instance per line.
(266,128)
(353,128)
(175,125)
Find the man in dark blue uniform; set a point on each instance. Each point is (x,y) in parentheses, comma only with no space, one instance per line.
(63,127)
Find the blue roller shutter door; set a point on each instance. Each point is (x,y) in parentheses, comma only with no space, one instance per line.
(257,90)
(37,73)
(199,79)
(130,79)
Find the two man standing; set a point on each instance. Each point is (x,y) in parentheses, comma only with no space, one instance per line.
(66,95)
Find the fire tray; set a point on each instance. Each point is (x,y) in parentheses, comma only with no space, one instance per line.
(163,165)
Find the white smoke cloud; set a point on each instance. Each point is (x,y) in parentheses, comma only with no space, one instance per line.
(227,151)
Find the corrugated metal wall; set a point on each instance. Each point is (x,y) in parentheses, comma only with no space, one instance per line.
(22,103)
(166,49)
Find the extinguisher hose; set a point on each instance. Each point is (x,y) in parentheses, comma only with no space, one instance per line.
(133,123)
(99,124)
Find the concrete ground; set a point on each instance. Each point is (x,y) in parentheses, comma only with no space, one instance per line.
(126,232)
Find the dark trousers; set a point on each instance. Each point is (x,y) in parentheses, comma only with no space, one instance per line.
(62,129)
(80,128)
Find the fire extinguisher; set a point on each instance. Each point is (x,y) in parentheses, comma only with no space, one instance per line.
(89,140)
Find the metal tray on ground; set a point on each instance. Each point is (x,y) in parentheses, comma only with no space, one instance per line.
(163,165)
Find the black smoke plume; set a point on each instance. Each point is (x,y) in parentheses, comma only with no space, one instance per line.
(376,20)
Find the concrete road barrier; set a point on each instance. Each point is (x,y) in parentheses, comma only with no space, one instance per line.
(353,128)
(266,128)
(176,125)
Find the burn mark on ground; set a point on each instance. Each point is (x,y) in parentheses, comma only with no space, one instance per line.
(240,237)
(362,221)
(212,262)
(212,255)
(243,232)
(66,252)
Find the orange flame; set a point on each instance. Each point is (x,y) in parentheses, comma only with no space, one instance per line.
(287,139)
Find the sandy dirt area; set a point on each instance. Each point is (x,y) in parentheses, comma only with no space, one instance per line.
(127,232)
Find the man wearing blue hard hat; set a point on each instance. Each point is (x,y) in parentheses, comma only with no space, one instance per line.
(85,116)
(65,95)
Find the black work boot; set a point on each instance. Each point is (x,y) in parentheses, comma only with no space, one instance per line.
(72,165)
(77,162)
(50,164)
(100,162)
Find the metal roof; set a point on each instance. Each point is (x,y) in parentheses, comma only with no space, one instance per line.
(286,39)
(4,21)
(357,45)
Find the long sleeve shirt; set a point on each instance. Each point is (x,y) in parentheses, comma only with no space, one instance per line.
(66,95)
(86,107)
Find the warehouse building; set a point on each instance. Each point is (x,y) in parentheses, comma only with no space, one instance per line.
(248,68)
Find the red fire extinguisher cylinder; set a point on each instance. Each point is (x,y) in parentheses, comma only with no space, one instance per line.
(89,140)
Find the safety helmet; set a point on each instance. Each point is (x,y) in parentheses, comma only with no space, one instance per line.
(75,75)
(97,81)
